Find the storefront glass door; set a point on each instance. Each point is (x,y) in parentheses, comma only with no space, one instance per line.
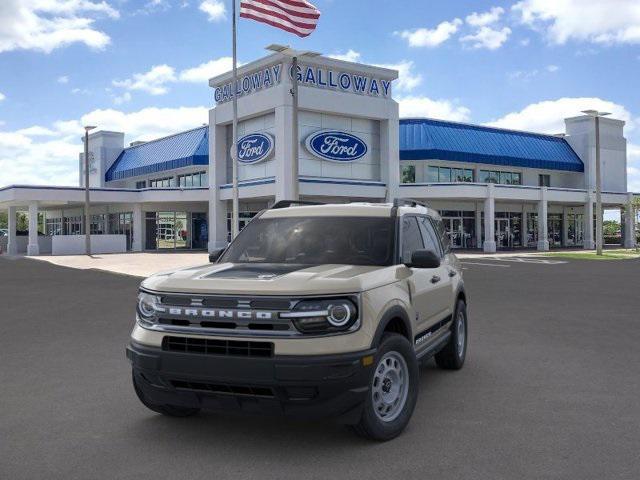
(461,227)
(575,229)
(532,230)
(554,229)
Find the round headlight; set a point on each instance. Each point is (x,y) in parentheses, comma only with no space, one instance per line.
(339,314)
(146,304)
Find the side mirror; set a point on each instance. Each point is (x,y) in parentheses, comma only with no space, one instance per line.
(424,259)
(215,255)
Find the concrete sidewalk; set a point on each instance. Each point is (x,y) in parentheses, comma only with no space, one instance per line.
(136,264)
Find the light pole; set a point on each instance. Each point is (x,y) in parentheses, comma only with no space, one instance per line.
(596,114)
(295,146)
(87,217)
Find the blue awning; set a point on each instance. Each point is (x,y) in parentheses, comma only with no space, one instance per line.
(183,149)
(427,139)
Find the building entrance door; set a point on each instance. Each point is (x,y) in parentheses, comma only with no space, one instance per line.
(456,233)
(504,236)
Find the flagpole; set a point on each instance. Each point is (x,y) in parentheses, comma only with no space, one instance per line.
(234,148)
(295,193)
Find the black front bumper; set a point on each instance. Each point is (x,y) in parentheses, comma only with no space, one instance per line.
(297,386)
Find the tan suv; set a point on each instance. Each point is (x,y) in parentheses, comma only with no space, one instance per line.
(313,310)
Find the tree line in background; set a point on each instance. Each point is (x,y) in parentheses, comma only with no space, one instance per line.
(22,224)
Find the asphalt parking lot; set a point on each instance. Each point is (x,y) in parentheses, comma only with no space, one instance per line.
(550,390)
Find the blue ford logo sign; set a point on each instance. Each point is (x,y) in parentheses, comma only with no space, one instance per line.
(336,146)
(255,147)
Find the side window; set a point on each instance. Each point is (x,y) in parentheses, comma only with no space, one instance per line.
(411,238)
(430,237)
(445,240)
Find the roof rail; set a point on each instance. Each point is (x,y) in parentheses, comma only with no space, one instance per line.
(408,202)
(290,203)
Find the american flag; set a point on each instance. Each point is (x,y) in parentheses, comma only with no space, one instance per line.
(294,16)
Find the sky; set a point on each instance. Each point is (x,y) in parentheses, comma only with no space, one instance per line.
(141,66)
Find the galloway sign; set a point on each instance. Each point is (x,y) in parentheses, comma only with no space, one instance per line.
(309,76)
(248,84)
(336,146)
(255,148)
(331,79)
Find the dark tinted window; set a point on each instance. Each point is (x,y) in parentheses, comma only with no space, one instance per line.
(430,237)
(315,241)
(411,238)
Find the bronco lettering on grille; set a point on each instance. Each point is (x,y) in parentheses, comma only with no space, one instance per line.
(218,314)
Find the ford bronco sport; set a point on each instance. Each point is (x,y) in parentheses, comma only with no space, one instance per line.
(313,310)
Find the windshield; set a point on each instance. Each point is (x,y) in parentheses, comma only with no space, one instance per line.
(315,241)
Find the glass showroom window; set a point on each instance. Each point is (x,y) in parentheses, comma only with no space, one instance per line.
(408,174)
(142,184)
(504,178)
(54,226)
(122,224)
(162,182)
(190,180)
(97,224)
(447,174)
(544,180)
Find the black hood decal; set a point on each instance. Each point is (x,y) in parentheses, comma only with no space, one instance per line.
(257,271)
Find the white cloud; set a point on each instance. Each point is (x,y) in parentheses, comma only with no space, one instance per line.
(214,9)
(45,25)
(424,37)
(548,116)
(154,81)
(419,106)
(2,96)
(63,79)
(120,99)
(349,56)
(595,21)
(48,155)
(486,18)
(203,72)
(157,80)
(407,78)
(525,42)
(527,75)
(487,37)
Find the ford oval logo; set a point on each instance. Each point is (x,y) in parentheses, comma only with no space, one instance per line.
(255,147)
(336,146)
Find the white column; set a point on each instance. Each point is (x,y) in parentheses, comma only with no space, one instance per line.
(283,156)
(543,240)
(589,242)
(478,226)
(390,154)
(32,246)
(218,209)
(12,245)
(138,225)
(629,224)
(489,245)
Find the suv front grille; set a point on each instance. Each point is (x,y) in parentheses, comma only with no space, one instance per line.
(245,390)
(206,346)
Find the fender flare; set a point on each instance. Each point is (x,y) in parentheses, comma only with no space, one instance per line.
(395,311)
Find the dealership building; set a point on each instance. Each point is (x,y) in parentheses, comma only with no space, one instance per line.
(495,189)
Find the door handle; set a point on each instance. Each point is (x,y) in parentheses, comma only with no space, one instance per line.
(435,279)
(452,273)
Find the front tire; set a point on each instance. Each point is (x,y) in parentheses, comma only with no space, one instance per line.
(393,390)
(452,356)
(168,410)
